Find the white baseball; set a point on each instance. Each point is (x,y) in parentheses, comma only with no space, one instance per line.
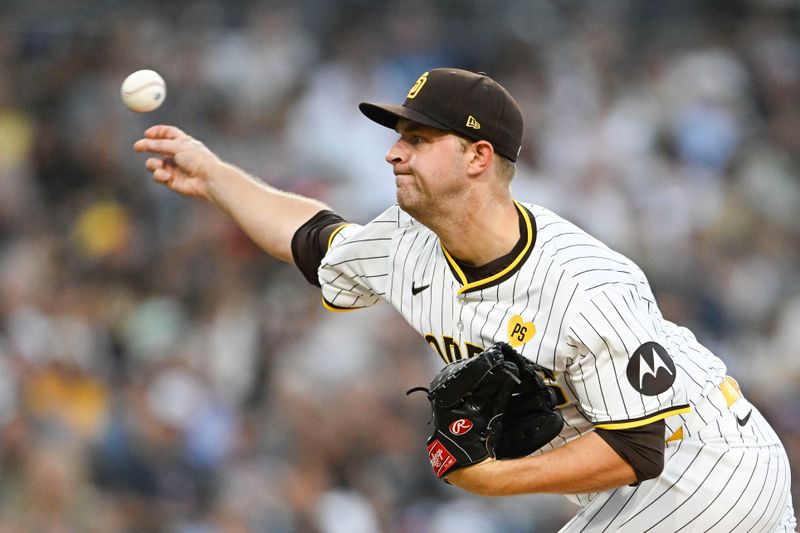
(143,91)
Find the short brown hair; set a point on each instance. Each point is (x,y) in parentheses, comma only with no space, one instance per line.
(506,168)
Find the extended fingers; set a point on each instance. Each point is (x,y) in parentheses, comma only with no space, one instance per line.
(163,131)
(159,168)
(161,139)
(162,175)
(162,169)
(154,163)
(163,146)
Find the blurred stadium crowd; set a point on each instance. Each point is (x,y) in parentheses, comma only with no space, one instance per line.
(159,373)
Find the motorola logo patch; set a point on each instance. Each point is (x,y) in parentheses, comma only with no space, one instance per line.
(650,369)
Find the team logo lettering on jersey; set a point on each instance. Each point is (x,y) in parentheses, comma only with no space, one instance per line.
(519,331)
(417,87)
(449,350)
(651,370)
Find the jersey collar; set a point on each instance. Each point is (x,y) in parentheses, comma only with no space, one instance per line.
(508,265)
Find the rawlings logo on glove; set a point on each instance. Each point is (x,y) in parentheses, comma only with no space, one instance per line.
(460,426)
(468,401)
(441,459)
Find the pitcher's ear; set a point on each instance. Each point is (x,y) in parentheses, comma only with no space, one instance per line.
(483,155)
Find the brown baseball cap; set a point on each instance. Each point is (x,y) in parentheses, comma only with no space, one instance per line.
(468,103)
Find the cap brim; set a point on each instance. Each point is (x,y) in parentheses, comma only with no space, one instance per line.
(388,114)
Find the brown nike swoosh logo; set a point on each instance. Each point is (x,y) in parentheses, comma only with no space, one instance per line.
(416,290)
(743,421)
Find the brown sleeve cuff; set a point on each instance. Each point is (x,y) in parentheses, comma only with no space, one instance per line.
(642,447)
(310,243)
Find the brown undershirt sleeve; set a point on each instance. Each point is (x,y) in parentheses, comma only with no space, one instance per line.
(642,447)
(310,243)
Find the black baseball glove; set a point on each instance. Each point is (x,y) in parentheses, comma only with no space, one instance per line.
(467,399)
(492,405)
(530,418)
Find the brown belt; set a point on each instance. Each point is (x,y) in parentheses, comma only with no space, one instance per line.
(730,392)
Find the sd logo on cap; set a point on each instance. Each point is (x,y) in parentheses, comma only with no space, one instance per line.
(468,103)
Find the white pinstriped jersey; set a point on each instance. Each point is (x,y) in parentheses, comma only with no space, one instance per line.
(588,315)
(567,302)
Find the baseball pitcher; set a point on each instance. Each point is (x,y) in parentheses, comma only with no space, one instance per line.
(561,375)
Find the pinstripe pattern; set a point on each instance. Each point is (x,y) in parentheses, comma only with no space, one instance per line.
(713,483)
(591,309)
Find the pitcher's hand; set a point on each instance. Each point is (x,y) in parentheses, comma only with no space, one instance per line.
(185,163)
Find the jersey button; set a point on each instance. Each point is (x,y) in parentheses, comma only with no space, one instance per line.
(460,325)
